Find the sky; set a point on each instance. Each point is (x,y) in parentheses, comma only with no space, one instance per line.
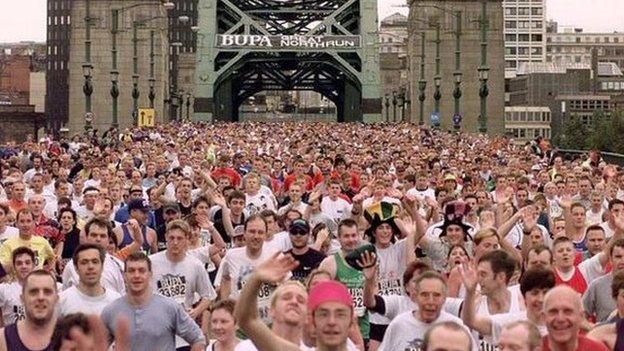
(25,20)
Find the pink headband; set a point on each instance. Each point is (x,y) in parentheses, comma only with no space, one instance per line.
(329,291)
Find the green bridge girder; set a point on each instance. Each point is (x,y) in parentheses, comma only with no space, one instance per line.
(347,76)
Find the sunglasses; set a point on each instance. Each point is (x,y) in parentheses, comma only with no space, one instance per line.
(299,233)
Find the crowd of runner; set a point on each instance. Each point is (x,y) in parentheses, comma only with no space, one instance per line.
(316,236)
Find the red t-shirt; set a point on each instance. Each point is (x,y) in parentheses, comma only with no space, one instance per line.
(577,282)
(584,344)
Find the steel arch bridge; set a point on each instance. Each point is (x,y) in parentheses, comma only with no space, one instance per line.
(249,46)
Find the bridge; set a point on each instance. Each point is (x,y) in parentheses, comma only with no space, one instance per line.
(249,46)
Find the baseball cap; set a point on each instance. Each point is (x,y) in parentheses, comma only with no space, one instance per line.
(298,226)
(171,206)
(238,231)
(329,291)
(139,204)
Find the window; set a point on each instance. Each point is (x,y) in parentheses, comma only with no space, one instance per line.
(510,51)
(536,51)
(536,37)
(510,24)
(606,39)
(510,37)
(523,37)
(510,11)
(537,11)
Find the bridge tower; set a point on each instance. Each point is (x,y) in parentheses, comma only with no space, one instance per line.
(249,46)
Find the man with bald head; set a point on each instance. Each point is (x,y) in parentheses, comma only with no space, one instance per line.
(520,336)
(563,314)
(447,336)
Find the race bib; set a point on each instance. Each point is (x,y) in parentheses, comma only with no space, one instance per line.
(173,286)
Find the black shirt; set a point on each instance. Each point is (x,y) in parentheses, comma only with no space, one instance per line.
(307,262)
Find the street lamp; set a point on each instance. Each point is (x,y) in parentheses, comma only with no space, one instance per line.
(173,89)
(87,89)
(387,107)
(135,98)
(87,67)
(483,69)
(188,107)
(394,105)
(483,94)
(401,99)
(437,95)
(114,76)
(422,83)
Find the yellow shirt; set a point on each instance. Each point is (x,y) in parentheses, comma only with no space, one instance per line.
(41,247)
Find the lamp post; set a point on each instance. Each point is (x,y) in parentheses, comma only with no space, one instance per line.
(87,67)
(152,81)
(408,103)
(188,107)
(181,105)
(173,87)
(114,92)
(401,99)
(87,89)
(387,108)
(422,83)
(394,106)
(483,69)
(457,75)
(114,73)
(437,79)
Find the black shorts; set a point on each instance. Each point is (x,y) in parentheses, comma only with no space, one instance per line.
(377,331)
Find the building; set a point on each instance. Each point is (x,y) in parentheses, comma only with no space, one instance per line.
(569,92)
(525,33)
(22,65)
(573,46)
(393,34)
(19,123)
(524,123)
(66,40)
(58,32)
(149,18)
(424,17)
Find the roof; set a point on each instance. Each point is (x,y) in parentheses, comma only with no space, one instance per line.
(527,109)
(609,69)
(548,67)
(394,19)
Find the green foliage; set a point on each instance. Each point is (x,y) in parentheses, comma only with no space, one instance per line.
(574,134)
(605,134)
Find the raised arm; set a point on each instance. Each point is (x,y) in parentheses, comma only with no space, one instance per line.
(481,324)
(368,260)
(225,213)
(273,270)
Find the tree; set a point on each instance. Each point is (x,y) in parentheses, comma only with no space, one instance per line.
(574,134)
(601,135)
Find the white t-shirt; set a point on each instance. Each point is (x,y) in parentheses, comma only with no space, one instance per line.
(238,267)
(336,210)
(9,232)
(11,304)
(516,235)
(112,276)
(279,242)
(247,345)
(73,300)
(406,333)
(608,230)
(430,193)
(180,281)
(397,304)
(516,305)
(593,218)
(263,200)
(390,274)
